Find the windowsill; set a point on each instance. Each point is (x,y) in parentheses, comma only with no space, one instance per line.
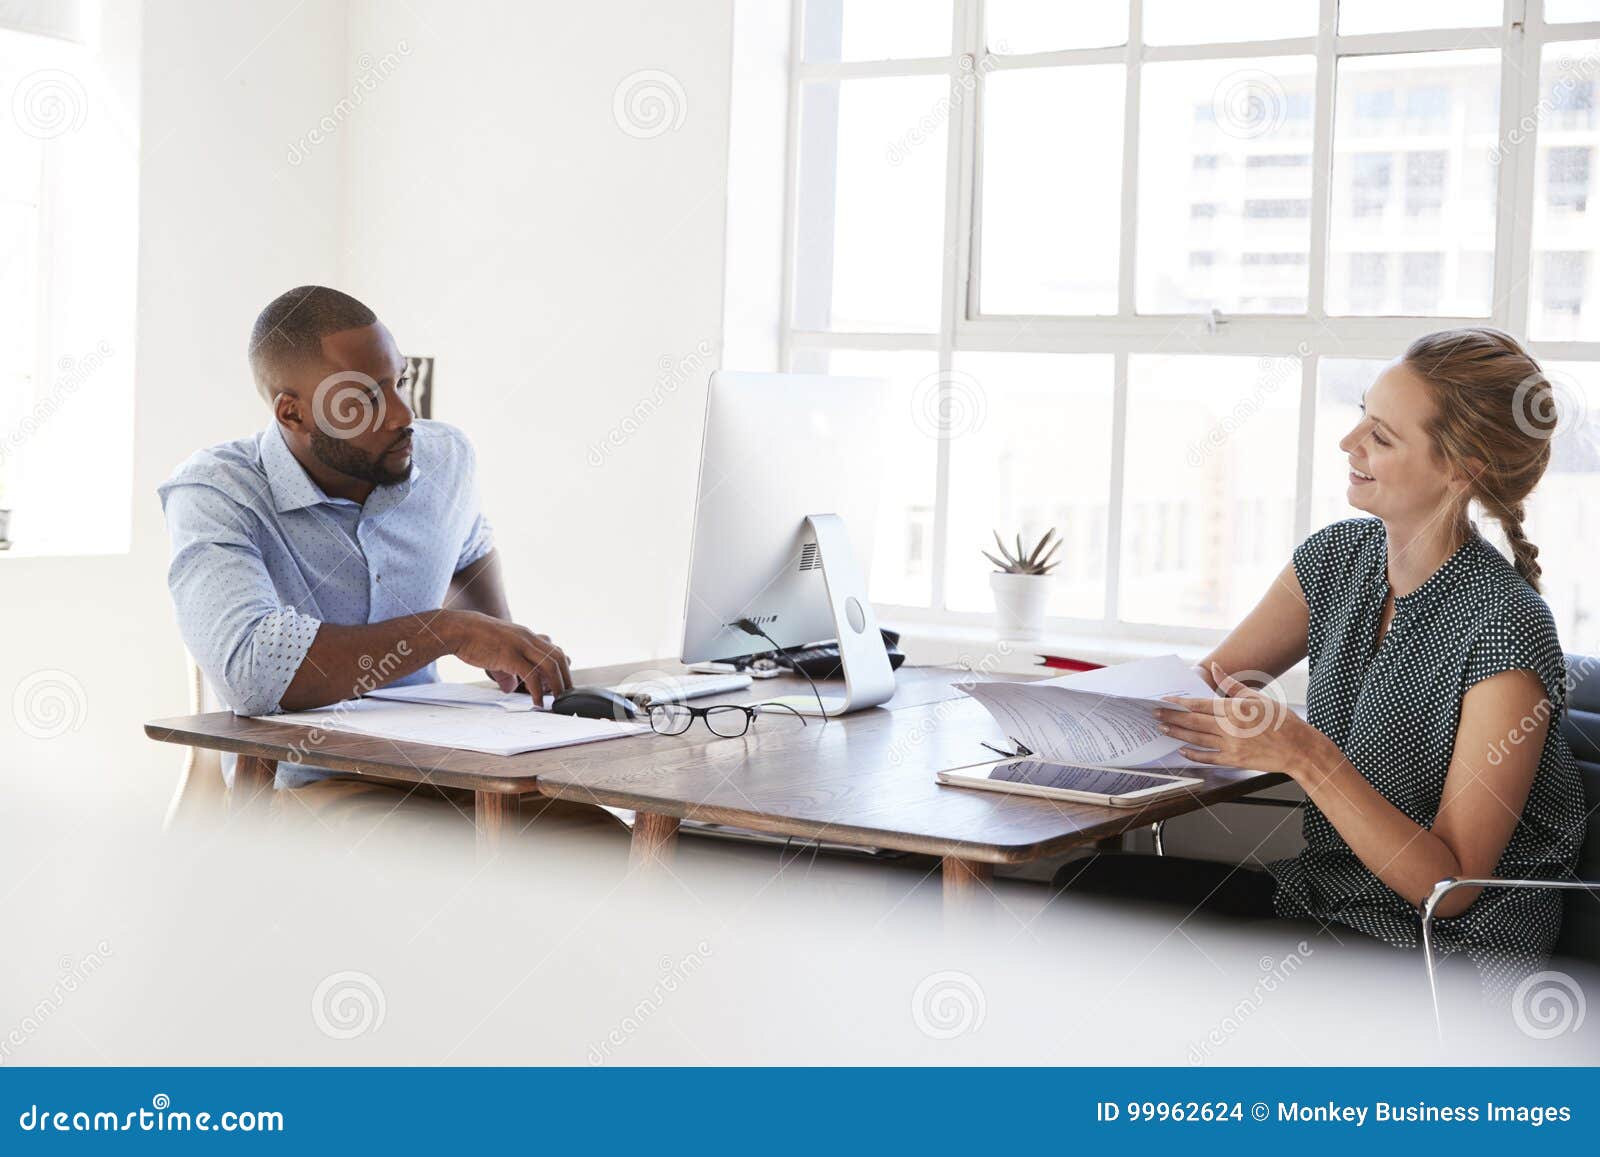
(976,646)
(18,550)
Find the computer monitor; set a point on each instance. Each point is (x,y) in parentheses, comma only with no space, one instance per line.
(789,470)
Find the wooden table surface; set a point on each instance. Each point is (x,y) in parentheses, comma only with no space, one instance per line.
(865,778)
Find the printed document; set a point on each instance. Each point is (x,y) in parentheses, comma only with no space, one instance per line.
(1103,718)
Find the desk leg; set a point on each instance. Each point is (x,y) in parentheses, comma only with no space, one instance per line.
(253,777)
(965,882)
(490,810)
(654,838)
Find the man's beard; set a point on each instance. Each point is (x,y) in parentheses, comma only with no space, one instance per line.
(350,460)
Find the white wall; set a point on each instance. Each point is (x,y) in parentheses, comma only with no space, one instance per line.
(483,198)
(502,218)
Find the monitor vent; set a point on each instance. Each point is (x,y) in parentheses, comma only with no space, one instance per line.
(809,558)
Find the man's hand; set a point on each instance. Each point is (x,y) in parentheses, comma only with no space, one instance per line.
(506,651)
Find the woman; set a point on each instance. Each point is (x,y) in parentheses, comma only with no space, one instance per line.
(1430,748)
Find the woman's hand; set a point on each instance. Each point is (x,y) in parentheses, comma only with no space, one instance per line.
(1245,728)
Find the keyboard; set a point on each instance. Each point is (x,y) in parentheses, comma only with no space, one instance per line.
(677,688)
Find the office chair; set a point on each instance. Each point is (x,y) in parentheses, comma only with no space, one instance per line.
(1580,924)
(1580,920)
(200,779)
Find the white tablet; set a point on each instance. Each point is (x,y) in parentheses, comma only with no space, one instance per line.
(1030,775)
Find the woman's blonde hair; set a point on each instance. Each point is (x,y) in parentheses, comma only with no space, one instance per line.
(1496,415)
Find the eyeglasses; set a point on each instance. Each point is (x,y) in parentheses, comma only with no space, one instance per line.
(728,720)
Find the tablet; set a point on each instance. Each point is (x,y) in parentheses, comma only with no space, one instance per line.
(1030,775)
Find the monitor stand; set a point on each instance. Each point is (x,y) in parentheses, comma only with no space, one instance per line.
(868,677)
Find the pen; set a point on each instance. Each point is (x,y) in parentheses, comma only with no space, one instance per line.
(1021,750)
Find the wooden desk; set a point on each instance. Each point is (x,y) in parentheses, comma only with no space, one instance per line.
(864,779)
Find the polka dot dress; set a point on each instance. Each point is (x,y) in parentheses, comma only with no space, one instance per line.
(1393,709)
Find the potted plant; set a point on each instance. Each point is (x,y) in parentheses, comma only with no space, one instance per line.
(1021,585)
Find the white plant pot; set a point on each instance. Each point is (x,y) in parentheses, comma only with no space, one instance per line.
(1019,604)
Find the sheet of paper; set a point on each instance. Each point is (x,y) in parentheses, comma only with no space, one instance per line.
(491,732)
(1103,717)
(456,695)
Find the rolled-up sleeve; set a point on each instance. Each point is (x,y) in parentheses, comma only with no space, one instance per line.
(245,639)
(480,541)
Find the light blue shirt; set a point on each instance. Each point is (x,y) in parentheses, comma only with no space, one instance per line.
(261,557)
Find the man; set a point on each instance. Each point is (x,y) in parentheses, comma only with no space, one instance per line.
(342,547)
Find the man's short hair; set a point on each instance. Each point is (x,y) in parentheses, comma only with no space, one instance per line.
(291,328)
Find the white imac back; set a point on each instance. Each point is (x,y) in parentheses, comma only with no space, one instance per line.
(777,448)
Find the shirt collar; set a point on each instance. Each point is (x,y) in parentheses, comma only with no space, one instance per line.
(1442,579)
(294,489)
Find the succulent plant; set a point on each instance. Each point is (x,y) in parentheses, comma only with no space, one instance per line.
(1035,561)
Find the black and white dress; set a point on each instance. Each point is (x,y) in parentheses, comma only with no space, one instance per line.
(1393,710)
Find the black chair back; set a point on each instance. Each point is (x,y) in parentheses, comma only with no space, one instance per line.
(1580,926)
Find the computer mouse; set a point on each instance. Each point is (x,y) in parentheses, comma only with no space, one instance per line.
(594,703)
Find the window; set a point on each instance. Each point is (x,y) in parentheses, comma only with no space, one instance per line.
(1567,178)
(68,268)
(1563,239)
(1421,282)
(20,191)
(1130,277)
(1369,184)
(1425,183)
(1562,278)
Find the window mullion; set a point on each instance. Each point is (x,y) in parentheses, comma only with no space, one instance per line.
(791,188)
(1520,87)
(967,35)
(1114,507)
(1304,472)
(1126,306)
(1322,162)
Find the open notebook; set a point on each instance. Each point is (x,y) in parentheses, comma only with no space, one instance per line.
(474,725)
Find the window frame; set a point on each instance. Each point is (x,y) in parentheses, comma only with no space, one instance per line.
(1520,38)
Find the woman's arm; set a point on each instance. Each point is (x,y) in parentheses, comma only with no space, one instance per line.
(1270,639)
(1491,772)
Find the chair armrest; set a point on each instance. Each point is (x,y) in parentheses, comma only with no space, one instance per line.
(1444,887)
